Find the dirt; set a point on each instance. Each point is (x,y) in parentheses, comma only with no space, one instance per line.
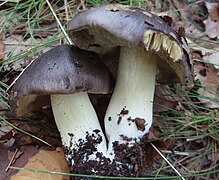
(121,114)
(140,123)
(130,161)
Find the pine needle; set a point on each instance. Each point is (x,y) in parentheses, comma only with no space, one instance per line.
(168,162)
(60,25)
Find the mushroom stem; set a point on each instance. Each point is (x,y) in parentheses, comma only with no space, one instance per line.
(75,116)
(129,114)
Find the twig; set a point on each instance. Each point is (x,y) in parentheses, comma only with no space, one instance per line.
(9,164)
(176,152)
(3,3)
(168,162)
(66,10)
(59,23)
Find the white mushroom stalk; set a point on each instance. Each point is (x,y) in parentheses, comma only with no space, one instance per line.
(75,116)
(129,114)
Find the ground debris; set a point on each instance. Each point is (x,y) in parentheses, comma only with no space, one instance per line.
(130,161)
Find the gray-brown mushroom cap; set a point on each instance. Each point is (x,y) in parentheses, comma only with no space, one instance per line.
(105,27)
(62,70)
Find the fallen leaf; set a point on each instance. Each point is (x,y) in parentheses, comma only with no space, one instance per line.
(26,139)
(29,127)
(211,28)
(4,128)
(28,151)
(48,161)
(206,72)
(188,17)
(213,58)
(6,134)
(213,9)
(209,54)
(212,22)
(3,160)
(162,99)
(152,154)
(207,75)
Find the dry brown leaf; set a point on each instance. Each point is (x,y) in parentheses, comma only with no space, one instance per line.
(4,128)
(29,127)
(207,74)
(163,102)
(6,137)
(152,154)
(213,9)
(188,17)
(212,23)
(211,28)
(209,52)
(26,139)
(6,134)
(45,160)
(3,160)
(213,58)
(28,151)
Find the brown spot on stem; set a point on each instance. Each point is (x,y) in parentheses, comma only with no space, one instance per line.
(122,113)
(119,120)
(140,123)
(125,138)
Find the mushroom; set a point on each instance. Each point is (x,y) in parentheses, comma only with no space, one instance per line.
(148,47)
(66,75)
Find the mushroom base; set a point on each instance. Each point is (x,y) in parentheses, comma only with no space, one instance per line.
(134,161)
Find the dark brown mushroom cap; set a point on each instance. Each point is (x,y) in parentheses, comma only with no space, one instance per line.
(103,28)
(62,70)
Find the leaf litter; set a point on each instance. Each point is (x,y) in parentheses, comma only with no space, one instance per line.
(187,122)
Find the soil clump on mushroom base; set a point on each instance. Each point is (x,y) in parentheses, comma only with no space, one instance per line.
(129,161)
